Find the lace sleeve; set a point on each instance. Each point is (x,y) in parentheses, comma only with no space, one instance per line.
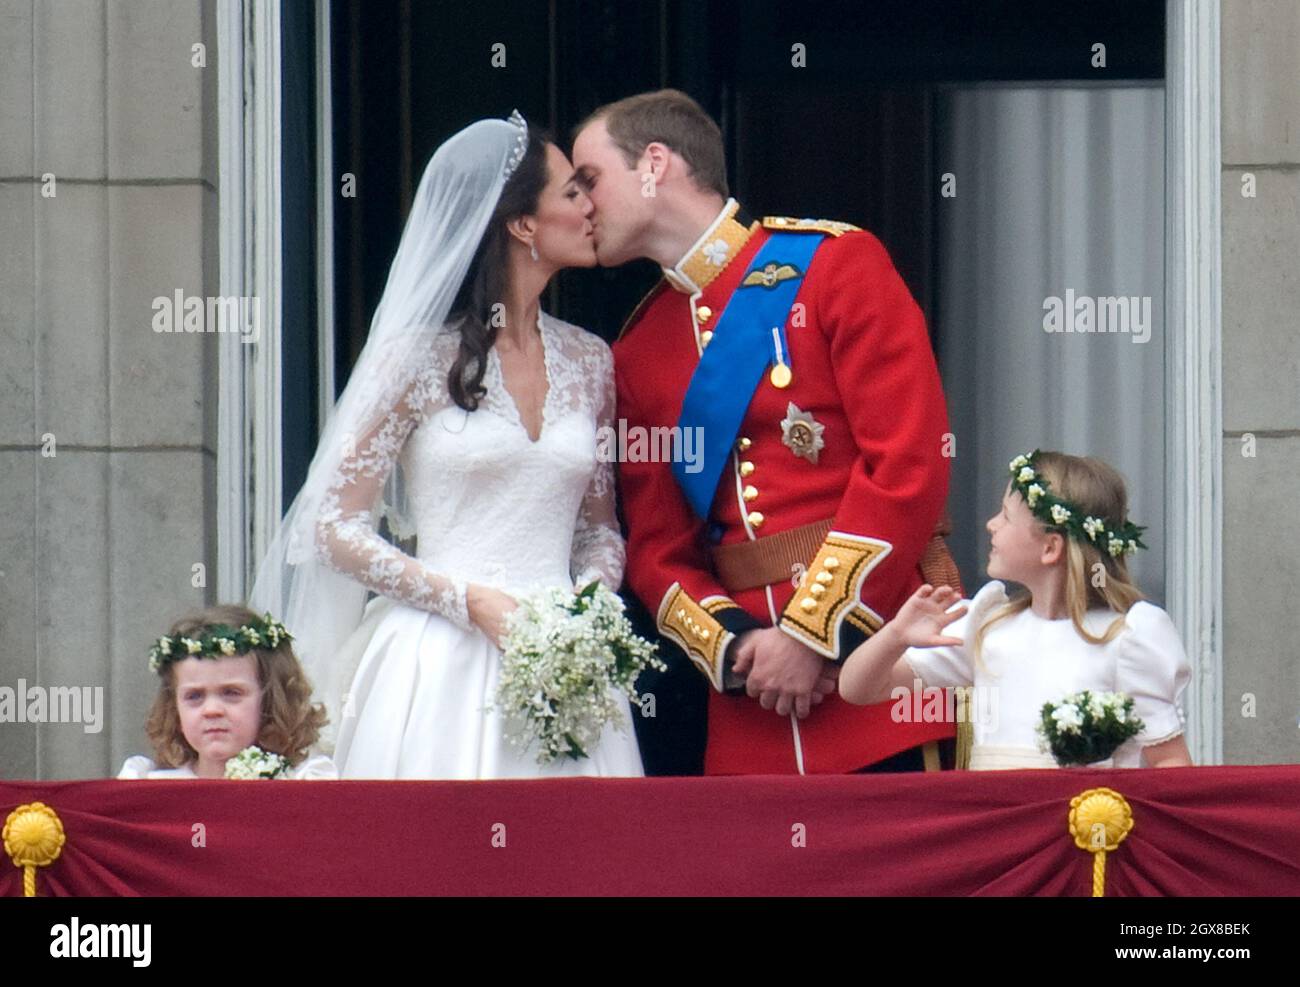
(346,539)
(598,551)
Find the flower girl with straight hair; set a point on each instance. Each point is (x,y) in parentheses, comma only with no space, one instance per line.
(1079,623)
(229,680)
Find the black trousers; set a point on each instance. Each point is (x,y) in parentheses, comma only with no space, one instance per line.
(913,759)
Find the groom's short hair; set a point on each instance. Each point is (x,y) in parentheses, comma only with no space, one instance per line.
(672,118)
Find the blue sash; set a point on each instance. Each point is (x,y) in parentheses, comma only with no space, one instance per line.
(732,365)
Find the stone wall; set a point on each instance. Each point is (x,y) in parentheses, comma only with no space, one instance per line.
(107,450)
(1261,379)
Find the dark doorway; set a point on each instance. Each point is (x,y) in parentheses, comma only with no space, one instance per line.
(845,134)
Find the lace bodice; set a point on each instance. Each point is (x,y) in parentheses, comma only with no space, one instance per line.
(488,504)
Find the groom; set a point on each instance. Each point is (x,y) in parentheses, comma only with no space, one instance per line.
(795,349)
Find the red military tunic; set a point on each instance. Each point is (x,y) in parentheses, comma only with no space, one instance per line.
(863,369)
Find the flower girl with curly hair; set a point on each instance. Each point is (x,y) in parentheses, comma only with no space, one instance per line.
(229,681)
(1079,624)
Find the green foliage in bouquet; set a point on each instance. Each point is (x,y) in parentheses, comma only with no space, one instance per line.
(1084,728)
(567,662)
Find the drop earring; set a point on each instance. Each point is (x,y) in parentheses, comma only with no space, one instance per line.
(532,249)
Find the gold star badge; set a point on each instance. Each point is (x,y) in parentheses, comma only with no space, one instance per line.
(802,433)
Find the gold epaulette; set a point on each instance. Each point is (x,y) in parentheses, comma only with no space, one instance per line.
(640,306)
(831,226)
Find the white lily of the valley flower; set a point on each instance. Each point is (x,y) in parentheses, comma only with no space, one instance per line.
(253,763)
(1060,514)
(564,673)
(1067,717)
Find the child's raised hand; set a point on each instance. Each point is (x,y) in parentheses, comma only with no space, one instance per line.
(924,615)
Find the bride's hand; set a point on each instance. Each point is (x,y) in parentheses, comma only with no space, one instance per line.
(488,609)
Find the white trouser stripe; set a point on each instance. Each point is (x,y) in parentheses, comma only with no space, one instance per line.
(794,718)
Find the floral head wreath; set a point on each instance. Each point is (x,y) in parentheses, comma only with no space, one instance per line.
(1061,515)
(219,641)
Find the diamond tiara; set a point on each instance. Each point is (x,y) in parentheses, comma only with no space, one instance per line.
(521,142)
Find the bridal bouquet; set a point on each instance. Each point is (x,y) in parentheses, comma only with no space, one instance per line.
(1084,728)
(566,658)
(253,762)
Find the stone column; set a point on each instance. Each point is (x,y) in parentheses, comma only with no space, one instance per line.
(107,451)
(1261,379)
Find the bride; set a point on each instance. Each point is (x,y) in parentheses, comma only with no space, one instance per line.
(470,422)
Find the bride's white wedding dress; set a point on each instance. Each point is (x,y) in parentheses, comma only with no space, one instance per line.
(488,505)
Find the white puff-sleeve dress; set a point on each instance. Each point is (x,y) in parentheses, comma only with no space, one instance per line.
(1026,661)
(317,767)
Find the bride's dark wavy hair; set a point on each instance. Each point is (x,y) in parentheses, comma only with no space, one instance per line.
(485,282)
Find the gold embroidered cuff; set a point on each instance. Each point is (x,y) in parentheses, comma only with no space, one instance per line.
(696,630)
(831,594)
(864,619)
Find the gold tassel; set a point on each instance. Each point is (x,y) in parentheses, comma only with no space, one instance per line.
(1100,819)
(965,728)
(33,837)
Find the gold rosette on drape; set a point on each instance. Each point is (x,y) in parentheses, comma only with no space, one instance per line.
(1100,819)
(33,837)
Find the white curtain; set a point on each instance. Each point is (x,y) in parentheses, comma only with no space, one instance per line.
(1058,189)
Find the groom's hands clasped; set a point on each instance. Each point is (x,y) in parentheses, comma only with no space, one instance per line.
(781,673)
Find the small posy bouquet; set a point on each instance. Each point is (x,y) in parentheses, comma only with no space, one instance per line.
(253,762)
(565,659)
(1087,727)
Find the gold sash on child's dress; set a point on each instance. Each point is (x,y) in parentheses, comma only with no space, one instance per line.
(991,757)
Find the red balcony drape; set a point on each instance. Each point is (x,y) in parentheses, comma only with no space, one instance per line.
(1198,831)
